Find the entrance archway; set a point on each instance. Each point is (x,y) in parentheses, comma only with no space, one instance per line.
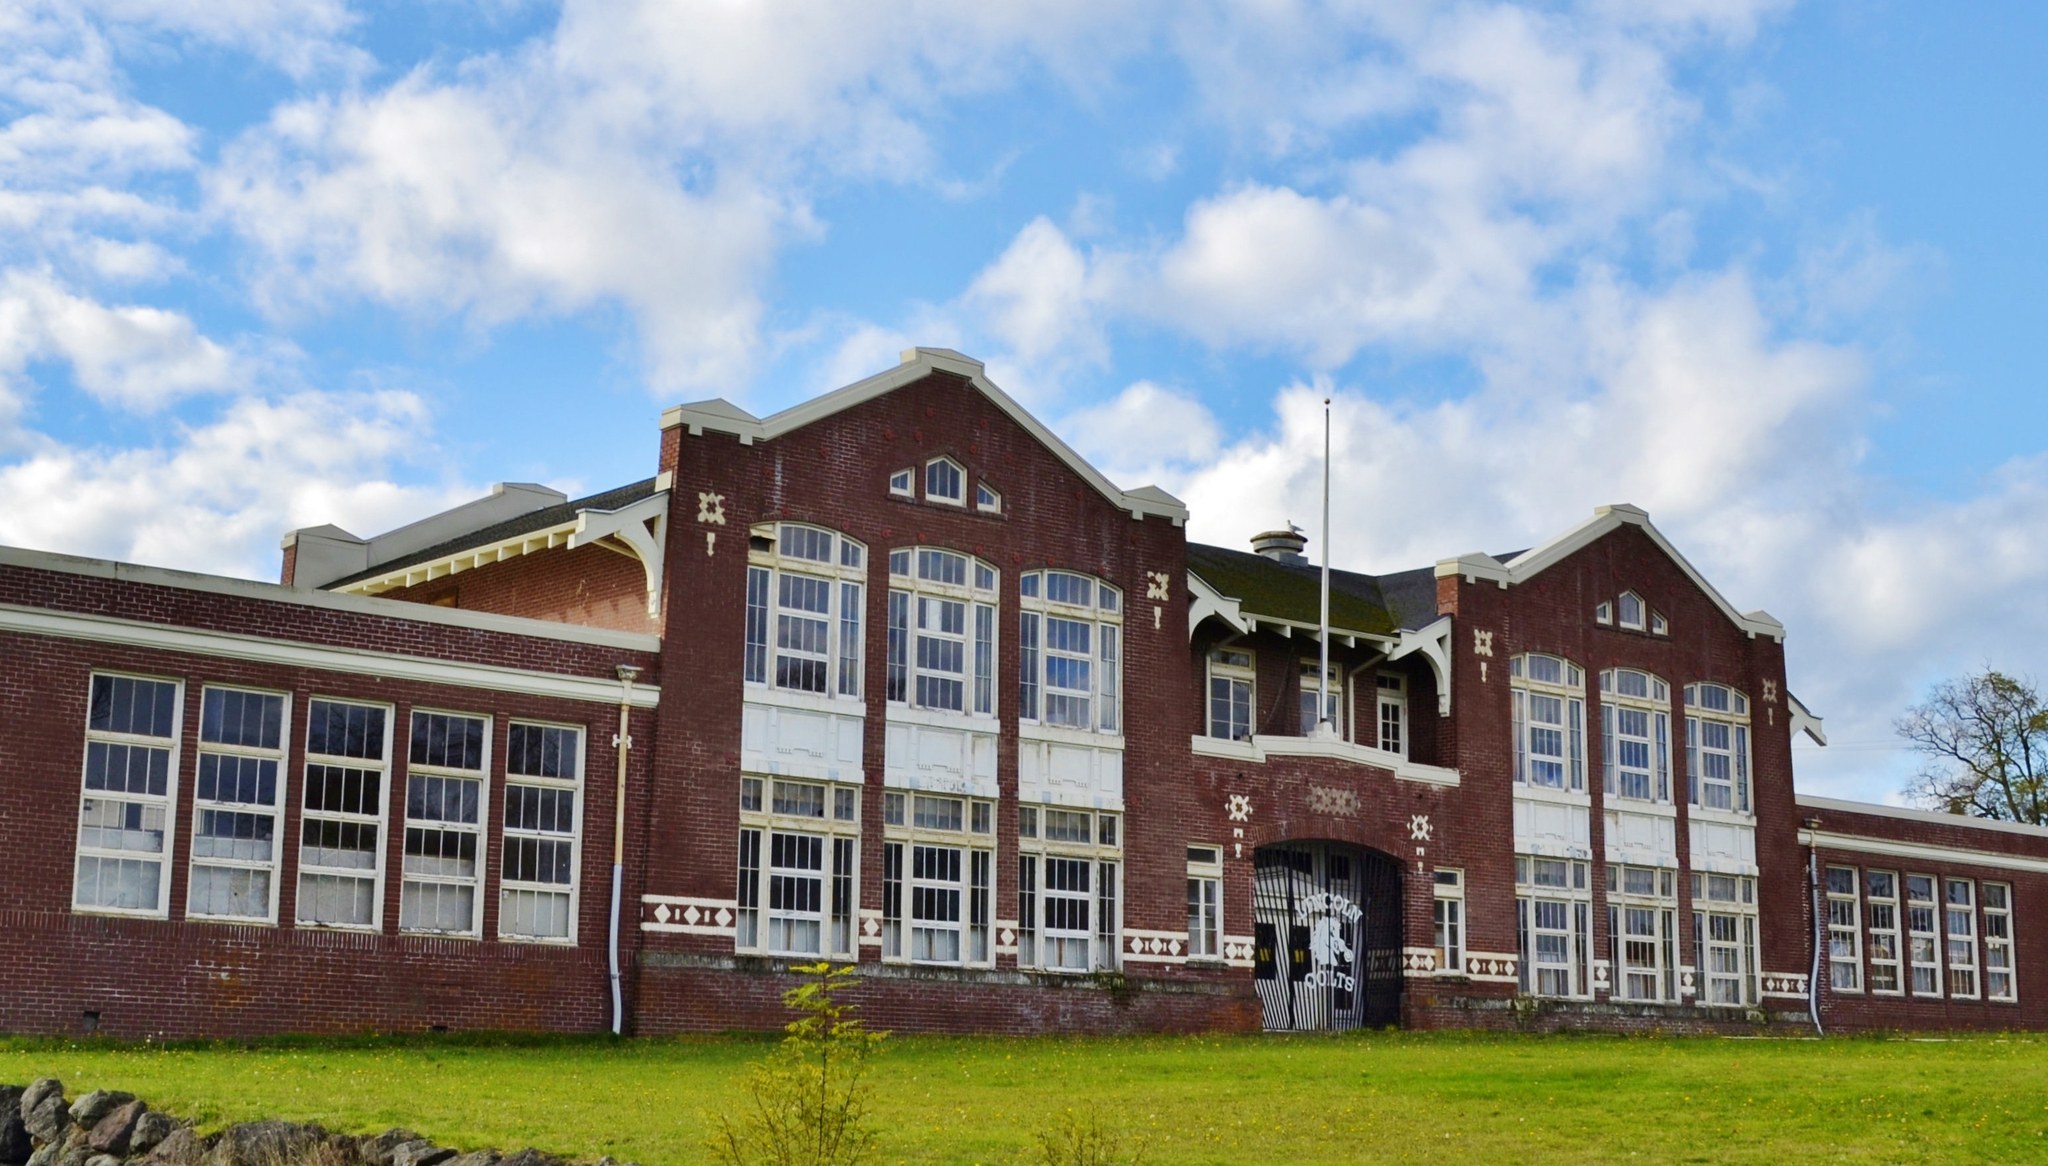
(1327,927)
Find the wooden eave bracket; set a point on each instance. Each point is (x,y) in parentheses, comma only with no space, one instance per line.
(641,527)
(1433,644)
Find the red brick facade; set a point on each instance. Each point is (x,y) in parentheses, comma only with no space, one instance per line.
(541,638)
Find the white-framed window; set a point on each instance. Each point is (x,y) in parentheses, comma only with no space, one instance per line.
(1642,929)
(1635,733)
(1960,927)
(237,805)
(799,873)
(1231,684)
(1311,673)
(1549,722)
(945,480)
(129,799)
(1845,930)
(1553,926)
(1881,894)
(1658,625)
(1717,747)
(1724,925)
(537,893)
(1922,938)
(342,813)
(1205,902)
(1069,875)
(903,483)
(1070,651)
(942,631)
(447,771)
(1999,983)
(804,606)
(987,499)
(938,878)
(1603,612)
(1393,710)
(1449,921)
(1630,609)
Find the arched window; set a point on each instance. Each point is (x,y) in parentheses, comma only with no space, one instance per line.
(1717,747)
(942,631)
(1635,731)
(945,481)
(804,589)
(1630,607)
(1070,651)
(1550,722)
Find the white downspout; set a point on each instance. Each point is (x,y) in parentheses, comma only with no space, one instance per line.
(1819,931)
(623,746)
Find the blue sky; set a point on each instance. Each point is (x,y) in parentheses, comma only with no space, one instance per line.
(1773,271)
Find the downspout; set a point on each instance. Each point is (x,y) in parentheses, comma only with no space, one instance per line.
(1819,928)
(623,746)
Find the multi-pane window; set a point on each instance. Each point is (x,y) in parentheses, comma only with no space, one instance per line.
(1549,722)
(1230,694)
(444,840)
(1070,651)
(1642,929)
(1717,747)
(1070,864)
(1922,937)
(799,849)
(1553,926)
(938,871)
(1724,936)
(543,792)
(237,805)
(1630,608)
(1881,892)
(942,640)
(945,481)
(901,483)
(124,817)
(1635,730)
(1449,922)
(1331,698)
(1845,931)
(341,824)
(804,603)
(986,499)
(1960,926)
(1205,902)
(1393,710)
(1998,967)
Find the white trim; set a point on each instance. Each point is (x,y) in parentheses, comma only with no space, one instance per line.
(1258,749)
(1848,807)
(720,416)
(1605,520)
(1433,644)
(356,661)
(1804,721)
(1205,601)
(331,600)
(1924,852)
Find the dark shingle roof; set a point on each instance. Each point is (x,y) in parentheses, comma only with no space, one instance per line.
(546,516)
(1292,591)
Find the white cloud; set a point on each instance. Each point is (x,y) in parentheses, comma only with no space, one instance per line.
(134,356)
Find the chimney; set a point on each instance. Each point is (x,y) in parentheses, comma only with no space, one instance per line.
(1282,546)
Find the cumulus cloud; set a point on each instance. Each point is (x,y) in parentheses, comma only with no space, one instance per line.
(134,356)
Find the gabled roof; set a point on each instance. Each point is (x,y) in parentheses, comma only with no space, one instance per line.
(1606,519)
(722,416)
(532,522)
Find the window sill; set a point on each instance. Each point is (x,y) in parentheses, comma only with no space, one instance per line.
(904,714)
(1650,806)
(1544,793)
(1723,817)
(1058,735)
(844,706)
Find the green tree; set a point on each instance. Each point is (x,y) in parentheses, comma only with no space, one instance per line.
(1985,740)
(807,1102)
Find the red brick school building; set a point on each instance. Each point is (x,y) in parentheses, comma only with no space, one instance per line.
(895,677)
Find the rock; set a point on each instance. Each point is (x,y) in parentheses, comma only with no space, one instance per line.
(531,1157)
(47,1156)
(180,1147)
(266,1143)
(43,1111)
(476,1158)
(376,1150)
(88,1110)
(419,1152)
(74,1155)
(103,1160)
(14,1144)
(112,1134)
(150,1131)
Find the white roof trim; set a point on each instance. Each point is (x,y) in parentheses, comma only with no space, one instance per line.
(1262,746)
(330,600)
(428,570)
(721,416)
(1932,853)
(1804,721)
(1605,520)
(1934,817)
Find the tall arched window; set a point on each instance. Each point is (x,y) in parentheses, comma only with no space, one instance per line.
(1550,722)
(1717,747)
(942,631)
(804,587)
(1070,651)
(1635,733)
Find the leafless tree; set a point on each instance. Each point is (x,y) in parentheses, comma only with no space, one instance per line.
(1985,738)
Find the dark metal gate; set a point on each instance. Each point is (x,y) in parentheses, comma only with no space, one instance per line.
(1327,930)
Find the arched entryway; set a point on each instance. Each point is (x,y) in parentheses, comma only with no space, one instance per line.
(1327,921)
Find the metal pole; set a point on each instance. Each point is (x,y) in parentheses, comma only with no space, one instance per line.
(622,745)
(1324,727)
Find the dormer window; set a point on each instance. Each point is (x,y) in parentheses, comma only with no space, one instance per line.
(1604,614)
(1657,625)
(900,484)
(987,500)
(1631,612)
(945,481)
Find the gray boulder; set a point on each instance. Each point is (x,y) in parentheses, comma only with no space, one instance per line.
(376,1150)
(43,1111)
(419,1153)
(103,1160)
(477,1158)
(149,1132)
(266,1143)
(74,1154)
(47,1156)
(14,1144)
(180,1147)
(531,1157)
(113,1133)
(88,1110)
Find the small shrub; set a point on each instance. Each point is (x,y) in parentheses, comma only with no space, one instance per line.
(807,1102)
(1086,1140)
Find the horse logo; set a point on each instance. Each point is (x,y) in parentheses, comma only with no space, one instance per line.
(1329,944)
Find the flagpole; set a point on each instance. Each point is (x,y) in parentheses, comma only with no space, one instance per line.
(1323,723)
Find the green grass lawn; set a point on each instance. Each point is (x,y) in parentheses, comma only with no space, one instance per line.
(1353,1098)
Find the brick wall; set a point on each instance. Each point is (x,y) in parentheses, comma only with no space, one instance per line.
(588,585)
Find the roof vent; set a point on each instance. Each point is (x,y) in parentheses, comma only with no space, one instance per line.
(1282,546)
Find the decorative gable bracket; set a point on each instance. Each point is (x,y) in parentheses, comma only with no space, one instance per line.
(639,530)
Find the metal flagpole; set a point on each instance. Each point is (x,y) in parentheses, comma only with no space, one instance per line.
(1324,726)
